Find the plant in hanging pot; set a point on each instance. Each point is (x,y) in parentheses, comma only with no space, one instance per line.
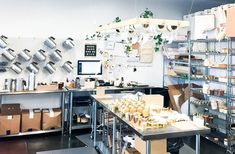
(128,49)
(117,20)
(159,41)
(146,14)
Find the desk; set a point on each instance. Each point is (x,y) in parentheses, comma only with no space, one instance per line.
(171,131)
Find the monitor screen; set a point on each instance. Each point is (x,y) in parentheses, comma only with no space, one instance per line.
(89,67)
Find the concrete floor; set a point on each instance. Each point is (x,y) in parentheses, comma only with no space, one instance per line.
(81,143)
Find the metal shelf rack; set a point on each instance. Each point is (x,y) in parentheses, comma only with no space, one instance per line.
(227,97)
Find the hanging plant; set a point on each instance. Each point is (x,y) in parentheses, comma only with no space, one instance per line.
(117,19)
(158,42)
(97,35)
(128,49)
(146,14)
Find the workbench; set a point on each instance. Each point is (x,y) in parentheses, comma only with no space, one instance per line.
(180,129)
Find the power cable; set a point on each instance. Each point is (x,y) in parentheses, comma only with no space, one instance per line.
(191,6)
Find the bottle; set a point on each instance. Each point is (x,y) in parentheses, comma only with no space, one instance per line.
(32,81)
(78,85)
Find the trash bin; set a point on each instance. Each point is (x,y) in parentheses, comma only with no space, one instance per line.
(174,145)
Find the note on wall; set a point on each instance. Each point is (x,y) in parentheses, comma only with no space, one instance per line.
(201,24)
(230,29)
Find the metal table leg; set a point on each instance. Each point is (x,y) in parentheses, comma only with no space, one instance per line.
(95,121)
(70,111)
(120,138)
(63,111)
(103,125)
(148,147)
(107,134)
(197,144)
(114,136)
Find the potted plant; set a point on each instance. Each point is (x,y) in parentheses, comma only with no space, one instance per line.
(117,20)
(128,49)
(159,41)
(146,14)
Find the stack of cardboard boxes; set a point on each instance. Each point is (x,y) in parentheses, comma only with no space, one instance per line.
(13,120)
(10,119)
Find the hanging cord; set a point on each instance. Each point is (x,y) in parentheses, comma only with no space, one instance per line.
(191,6)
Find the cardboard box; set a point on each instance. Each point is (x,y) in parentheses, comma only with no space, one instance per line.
(10,109)
(131,151)
(49,87)
(153,100)
(31,120)
(9,124)
(51,119)
(157,146)
(181,90)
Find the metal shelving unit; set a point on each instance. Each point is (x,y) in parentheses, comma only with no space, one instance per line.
(180,79)
(62,101)
(32,133)
(216,136)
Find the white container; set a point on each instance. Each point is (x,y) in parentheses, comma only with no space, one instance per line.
(3,43)
(68,66)
(214,105)
(16,67)
(32,81)
(9,54)
(50,67)
(24,54)
(33,67)
(50,42)
(40,55)
(56,55)
(68,43)
(206,89)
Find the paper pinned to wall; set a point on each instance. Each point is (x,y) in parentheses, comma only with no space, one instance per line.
(202,24)
(146,52)
(230,30)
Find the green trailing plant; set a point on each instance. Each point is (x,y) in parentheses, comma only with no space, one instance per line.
(146,14)
(158,41)
(117,19)
(128,49)
(94,36)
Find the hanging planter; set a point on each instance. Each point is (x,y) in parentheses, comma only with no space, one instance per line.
(128,49)
(158,40)
(146,14)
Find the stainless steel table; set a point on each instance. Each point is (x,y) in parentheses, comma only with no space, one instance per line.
(92,91)
(146,135)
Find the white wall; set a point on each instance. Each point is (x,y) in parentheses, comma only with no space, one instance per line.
(31,18)
(27,23)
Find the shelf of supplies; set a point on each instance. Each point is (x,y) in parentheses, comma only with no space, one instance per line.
(220,68)
(199,91)
(211,53)
(32,133)
(216,112)
(173,76)
(199,105)
(207,41)
(214,81)
(218,135)
(179,41)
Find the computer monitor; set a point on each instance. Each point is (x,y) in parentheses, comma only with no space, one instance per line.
(89,67)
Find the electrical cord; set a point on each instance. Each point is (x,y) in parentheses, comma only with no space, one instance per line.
(191,6)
